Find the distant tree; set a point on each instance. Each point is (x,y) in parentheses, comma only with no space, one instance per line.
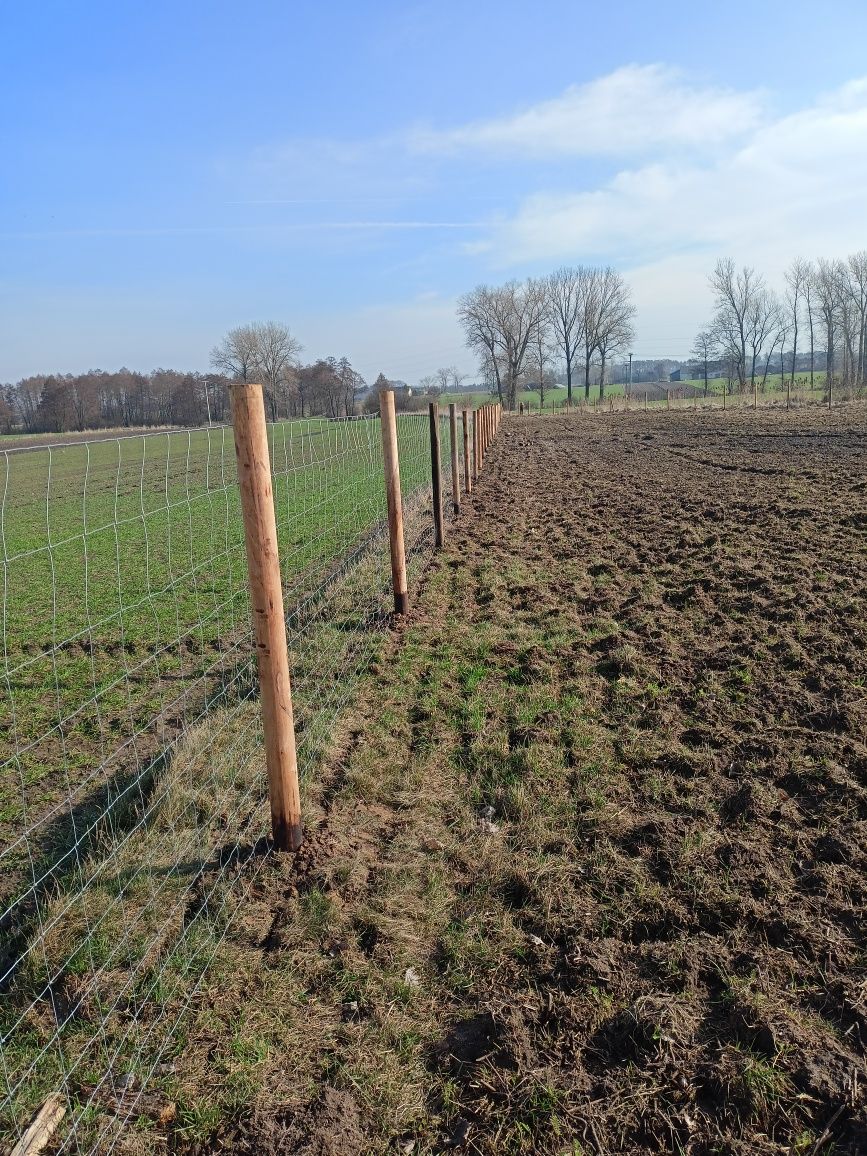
(264,350)
(797,279)
(499,324)
(442,379)
(826,290)
(735,292)
(705,350)
(237,353)
(565,290)
(612,315)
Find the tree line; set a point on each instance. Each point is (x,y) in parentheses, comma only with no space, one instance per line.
(818,321)
(266,352)
(578,316)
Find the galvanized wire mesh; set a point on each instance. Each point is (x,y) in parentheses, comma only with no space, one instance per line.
(133,803)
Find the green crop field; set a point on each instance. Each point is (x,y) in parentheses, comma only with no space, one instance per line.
(124,600)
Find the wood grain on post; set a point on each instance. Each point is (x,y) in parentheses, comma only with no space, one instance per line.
(391,462)
(453,434)
(436,472)
(43,1126)
(269,623)
(468,473)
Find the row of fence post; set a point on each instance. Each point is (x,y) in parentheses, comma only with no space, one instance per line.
(263,564)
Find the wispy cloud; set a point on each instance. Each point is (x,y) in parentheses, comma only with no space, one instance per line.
(222,230)
(636,109)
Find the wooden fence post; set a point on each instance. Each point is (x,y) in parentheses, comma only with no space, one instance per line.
(453,434)
(269,623)
(436,472)
(476,447)
(755,395)
(468,477)
(391,463)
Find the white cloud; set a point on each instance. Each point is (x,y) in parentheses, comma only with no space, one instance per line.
(637,108)
(794,187)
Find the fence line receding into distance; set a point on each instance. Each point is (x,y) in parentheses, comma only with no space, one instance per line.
(134,812)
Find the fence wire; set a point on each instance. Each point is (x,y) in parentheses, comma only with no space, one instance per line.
(133,799)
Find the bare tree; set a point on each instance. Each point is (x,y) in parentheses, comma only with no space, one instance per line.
(857,289)
(276,355)
(762,325)
(589,293)
(797,280)
(478,318)
(500,324)
(564,290)
(858,277)
(826,289)
(735,292)
(705,350)
(236,355)
(613,318)
(442,377)
(265,350)
(541,342)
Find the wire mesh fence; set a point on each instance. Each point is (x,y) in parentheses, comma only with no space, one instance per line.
(133,800)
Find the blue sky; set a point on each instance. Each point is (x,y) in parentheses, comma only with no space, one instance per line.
(171,170)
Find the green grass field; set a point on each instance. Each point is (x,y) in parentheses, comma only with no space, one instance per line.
(124,601)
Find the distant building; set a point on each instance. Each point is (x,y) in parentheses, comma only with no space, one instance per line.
(678,375)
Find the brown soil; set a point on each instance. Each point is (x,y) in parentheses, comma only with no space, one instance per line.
(608,799)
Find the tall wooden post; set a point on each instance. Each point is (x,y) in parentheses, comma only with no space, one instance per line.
(645,401)
(453,434)
(436,472)
(468,474)
(391,463)
(269,623)
(755,395)
(476,447)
